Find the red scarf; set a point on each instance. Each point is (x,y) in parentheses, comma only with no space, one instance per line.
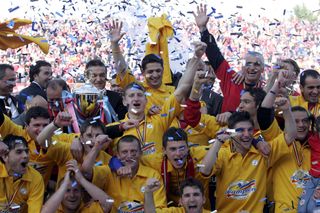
(166,176)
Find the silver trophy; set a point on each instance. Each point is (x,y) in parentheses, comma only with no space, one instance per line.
(87,99)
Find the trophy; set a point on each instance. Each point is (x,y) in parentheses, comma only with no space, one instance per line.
(87,101)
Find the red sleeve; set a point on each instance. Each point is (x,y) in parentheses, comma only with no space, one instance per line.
(192,114)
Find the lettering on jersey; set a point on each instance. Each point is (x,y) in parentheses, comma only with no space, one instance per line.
(241,190)
(149,148)
(131,207)
(300,178)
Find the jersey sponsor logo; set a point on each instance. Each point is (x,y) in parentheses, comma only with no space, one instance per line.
(300,178)
(130,207)
(241,190)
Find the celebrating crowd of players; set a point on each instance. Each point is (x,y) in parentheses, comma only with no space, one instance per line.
(173,149)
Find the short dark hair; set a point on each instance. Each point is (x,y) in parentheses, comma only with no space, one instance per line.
(151,58)
(295,65)
(129,139)
(93,123)
(307,73)
(3,68)
(36,112)
(58,82)
(237,117)
(301,109)
(191,182)
(12,140)
(174,134)
(35,69)
(134,85)
(93,63)
(258,95)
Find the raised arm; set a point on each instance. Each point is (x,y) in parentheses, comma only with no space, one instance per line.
(283,104)
(193,65)
(284,78)
(62,119)
(100,142)
(151,186)
(96,193)
(213,52)
(55,200)
(211,157)
(115,36)
(192,113)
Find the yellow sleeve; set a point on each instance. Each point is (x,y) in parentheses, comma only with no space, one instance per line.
(8,127)
(171,210)
(272,132)
(218,166)
(66,138)
(99,177)
(127,79)
(199,152)
(208,125)
(59,153)
(279,147)
(170,110)
(153,161)
(36,194)
(160,199)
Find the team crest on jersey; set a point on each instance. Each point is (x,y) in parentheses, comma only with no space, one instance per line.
(300,178)
(241,190)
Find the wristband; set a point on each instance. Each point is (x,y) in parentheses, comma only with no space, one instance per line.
(221,141)
(272,92)
(54,123)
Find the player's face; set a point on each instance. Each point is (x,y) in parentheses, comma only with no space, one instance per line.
(192,200)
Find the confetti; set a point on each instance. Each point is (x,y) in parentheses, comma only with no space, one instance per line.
(231,130)
(46,144)
(212,141)
(164,115)
(170,138)
(11,24)
(88,142)
(13,9)
(15,207)
(110,200)
(99,163)
(134,111)
(74,184)
(179,161)
(58,131)
(143,189)
(201,165)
